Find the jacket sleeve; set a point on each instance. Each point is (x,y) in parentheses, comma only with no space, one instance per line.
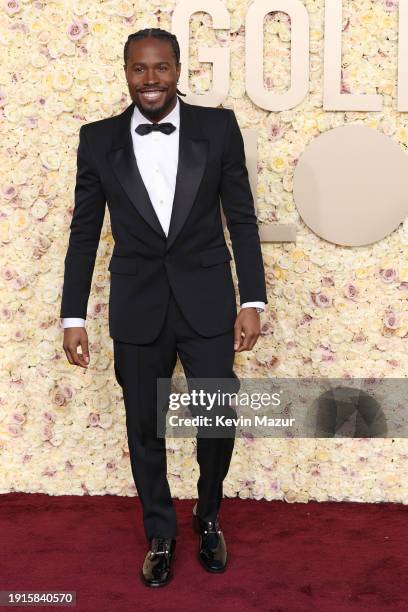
(238,206)
(86,225)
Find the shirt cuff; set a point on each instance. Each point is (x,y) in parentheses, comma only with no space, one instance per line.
(260,306)
(73,322)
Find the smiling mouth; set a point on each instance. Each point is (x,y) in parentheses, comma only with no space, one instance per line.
(151,95)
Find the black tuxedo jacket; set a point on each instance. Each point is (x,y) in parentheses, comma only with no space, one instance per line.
(194,260)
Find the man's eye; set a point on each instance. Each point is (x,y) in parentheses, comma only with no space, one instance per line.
(160,67)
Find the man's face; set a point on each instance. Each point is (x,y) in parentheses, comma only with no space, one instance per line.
(151,66)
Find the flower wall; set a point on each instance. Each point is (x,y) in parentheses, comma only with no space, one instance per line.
(332,312)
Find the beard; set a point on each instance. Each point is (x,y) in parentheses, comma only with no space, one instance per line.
(152,113)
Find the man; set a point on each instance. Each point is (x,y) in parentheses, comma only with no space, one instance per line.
(162,166)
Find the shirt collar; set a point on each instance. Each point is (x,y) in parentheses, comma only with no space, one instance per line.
(173,116)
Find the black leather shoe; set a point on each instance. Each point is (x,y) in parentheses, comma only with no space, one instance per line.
(212,551)
(156,569)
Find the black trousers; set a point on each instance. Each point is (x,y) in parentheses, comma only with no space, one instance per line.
(136,368)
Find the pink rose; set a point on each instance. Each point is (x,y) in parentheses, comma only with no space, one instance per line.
(266,328)
(12,6)
(351,291)
(49,472)
(59,398)
(47,432)
(49,417)
(391,319)
(94,419)
(388,275)
(321,299)
(9,192)
(305,319)
(14,429)
(275,132)
(18,417)
(76,31)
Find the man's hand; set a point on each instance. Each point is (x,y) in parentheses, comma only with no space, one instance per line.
(248,322)
(73,337)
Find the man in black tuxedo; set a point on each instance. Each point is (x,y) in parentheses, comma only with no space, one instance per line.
(162,166)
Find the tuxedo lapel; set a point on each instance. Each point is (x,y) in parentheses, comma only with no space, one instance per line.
(192,159)
(123,161)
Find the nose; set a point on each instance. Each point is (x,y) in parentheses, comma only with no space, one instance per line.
(151,76)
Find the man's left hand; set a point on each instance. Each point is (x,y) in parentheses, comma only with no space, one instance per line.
(247,324)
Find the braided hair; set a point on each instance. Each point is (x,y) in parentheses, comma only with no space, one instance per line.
(155,33)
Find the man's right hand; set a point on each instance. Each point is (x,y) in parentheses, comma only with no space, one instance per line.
(74,337)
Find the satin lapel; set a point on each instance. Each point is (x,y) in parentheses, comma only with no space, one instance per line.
(192,160)
(123,161)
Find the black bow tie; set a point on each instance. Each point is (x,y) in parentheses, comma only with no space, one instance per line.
(145,128)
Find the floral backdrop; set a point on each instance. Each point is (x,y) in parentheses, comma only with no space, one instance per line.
(332,312)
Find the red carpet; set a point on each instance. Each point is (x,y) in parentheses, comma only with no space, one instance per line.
(283,557)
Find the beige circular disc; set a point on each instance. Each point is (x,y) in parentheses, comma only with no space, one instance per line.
(351,185)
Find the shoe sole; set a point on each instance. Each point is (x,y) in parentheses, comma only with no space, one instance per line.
(211,571)
(155,585)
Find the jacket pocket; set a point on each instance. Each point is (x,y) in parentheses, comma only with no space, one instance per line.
(214,256)
(124,265)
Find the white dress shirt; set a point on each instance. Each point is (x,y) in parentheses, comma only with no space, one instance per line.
(159,177)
